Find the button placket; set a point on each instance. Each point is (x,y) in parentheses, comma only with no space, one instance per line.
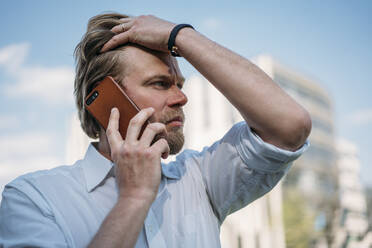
(153,234)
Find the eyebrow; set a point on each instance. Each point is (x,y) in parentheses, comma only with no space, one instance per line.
(164,77)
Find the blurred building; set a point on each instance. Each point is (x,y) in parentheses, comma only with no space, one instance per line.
(314,173)
(351,224)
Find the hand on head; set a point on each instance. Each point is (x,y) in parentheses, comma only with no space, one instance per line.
(148,31)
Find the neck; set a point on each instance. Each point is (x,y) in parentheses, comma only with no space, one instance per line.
(103,146)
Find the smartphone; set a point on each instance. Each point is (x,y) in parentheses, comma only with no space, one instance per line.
(106,95)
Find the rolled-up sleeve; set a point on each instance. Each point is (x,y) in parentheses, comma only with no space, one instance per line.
(26,222)
(241,167)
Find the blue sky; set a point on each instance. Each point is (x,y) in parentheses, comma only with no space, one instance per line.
(329,41)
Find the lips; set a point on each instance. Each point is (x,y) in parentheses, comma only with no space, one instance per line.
(177,118)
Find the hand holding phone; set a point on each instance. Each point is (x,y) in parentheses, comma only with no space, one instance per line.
(137,158)
(107,95)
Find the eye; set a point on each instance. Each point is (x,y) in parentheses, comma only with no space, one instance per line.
(180,86)
(161,84)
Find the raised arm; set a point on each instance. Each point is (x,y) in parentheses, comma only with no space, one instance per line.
(267,109)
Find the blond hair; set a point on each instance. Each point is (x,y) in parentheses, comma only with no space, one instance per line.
(93,66)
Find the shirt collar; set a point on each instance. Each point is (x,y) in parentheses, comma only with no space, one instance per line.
(97,168)
(170,170)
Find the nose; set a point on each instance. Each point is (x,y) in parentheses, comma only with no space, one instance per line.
(177,98)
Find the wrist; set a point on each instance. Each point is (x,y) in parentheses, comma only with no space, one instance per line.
(141,196)
(172,47)
(133,203)
(183,39)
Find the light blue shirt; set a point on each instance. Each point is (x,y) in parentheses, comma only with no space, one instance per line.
(65,206)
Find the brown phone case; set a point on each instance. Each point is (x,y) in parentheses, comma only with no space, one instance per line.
(106,95)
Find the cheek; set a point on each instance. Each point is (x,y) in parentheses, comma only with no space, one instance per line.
(145,98)
(146,101)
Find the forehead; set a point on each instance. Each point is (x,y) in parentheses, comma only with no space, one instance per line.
(141,63)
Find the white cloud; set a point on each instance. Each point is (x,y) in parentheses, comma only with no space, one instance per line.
(8,121)
(361,117)
(51,85)
(25,145)
(13,56)
(211,24)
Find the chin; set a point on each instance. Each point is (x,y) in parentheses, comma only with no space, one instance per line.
(176,140)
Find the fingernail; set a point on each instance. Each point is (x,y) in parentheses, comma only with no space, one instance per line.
(113,109)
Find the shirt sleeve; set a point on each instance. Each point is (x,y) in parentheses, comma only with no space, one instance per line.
(26,222)
(241,167)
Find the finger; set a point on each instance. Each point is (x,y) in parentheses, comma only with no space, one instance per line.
(136,123)
(112,132)
(121,28)
(161,147)
(150,132)
(125,19)
(115,41)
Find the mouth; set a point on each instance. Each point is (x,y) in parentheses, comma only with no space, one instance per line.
(176,121)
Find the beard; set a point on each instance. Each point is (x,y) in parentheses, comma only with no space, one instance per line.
(175,139)
(175,136)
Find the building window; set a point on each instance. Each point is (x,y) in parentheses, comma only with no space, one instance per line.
(257,241)
(240,245)
(206,107)
(343,217)
(269,215)
(319,124)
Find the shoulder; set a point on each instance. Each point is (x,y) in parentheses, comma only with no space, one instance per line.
(27,209)
(46,179)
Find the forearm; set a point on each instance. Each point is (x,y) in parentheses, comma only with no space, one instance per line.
(267,109)
(123,224)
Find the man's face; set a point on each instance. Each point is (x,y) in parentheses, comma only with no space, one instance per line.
(153,79)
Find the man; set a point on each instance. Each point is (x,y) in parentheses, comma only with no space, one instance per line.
(120,194)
